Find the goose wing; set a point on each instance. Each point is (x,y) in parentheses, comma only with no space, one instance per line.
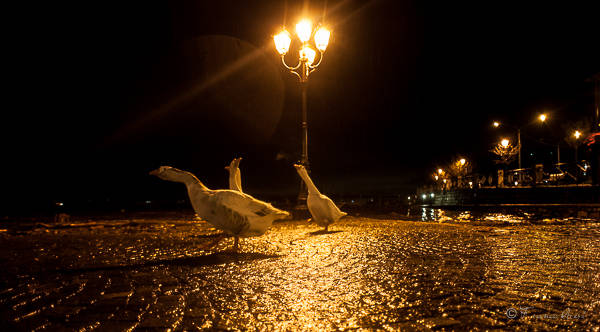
(246,205)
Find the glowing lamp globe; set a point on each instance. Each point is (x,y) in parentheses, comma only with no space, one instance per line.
(505,142)
(307,54)
(282,42)
(304,30)
(322,38)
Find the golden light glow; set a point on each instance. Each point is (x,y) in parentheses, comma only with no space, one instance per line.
(505,142)
(304,30)
(322,38)
(307,54)
(542,117)
(282,42)
(577,134)
(496,124)
(462,161)
(440,171)
(436,177)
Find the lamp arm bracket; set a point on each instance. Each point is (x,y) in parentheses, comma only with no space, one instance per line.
(289,67)
(295,73)
(318,63)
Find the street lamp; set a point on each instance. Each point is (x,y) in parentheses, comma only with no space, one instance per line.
(505,142)
(305,66)
(542,117)
(576,134)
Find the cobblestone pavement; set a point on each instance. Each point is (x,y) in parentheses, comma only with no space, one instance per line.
(149,273)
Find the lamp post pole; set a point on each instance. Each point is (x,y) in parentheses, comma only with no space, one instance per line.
(519,145)
(302,70)
(304,158)
(576,134)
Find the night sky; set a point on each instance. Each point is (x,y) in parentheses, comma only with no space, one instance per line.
(101,93)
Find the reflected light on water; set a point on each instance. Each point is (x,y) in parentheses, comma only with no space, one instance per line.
(466,216)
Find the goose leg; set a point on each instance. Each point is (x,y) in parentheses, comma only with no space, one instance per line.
(236,242)
(211,244)
(235,248)
(326,228)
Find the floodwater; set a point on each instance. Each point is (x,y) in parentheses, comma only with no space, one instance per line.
(387,273)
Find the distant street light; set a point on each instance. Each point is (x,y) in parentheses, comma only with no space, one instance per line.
(576,134)
(462,161)
(305,66)
(543,118)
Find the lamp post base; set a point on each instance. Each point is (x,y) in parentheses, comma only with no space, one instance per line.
(302,195)
(301,209)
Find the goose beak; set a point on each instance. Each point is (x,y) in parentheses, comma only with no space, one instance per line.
(227,167)
(284,215)
(154,172)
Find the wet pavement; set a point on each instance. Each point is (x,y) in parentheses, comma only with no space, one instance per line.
(390,274)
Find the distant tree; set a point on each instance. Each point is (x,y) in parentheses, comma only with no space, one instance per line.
(505,152)
(460,167)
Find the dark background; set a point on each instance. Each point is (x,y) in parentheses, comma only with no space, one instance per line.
(101,93)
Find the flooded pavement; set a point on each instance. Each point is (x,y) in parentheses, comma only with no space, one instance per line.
(388,274)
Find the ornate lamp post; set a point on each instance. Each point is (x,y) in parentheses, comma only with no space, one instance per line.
(305,66)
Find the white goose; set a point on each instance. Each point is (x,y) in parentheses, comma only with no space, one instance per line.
(324,212)
(235,176)
(233,212)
